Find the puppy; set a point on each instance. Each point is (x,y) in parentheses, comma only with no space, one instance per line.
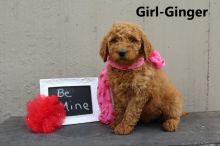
(144,93)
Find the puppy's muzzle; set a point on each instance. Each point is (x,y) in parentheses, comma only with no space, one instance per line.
(122,52)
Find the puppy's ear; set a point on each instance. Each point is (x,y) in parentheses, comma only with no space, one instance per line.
(104,48)
(146,46)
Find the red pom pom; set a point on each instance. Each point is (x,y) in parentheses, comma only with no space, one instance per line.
(45,114)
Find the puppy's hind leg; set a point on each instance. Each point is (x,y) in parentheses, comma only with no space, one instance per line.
(172,111)
(171,124)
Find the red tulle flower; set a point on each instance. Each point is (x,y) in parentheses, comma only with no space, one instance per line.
(45,114)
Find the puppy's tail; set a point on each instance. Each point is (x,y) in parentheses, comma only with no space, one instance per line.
(184,114)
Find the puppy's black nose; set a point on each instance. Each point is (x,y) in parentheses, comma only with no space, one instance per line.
(122,52)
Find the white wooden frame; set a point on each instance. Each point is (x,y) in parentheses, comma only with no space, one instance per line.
(62,82)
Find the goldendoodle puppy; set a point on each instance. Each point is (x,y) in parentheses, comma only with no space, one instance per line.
(144,93)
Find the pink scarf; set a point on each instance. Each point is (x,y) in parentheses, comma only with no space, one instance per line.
(107,114)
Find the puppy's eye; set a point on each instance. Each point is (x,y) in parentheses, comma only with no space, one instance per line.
(114,40)
(132,39)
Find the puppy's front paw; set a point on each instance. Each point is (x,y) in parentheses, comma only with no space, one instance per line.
(123,129)
(170,125)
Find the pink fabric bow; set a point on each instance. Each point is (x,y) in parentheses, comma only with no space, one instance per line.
(107,114)
(156,59)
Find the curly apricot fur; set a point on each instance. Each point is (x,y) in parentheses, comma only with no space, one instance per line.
(142,94)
